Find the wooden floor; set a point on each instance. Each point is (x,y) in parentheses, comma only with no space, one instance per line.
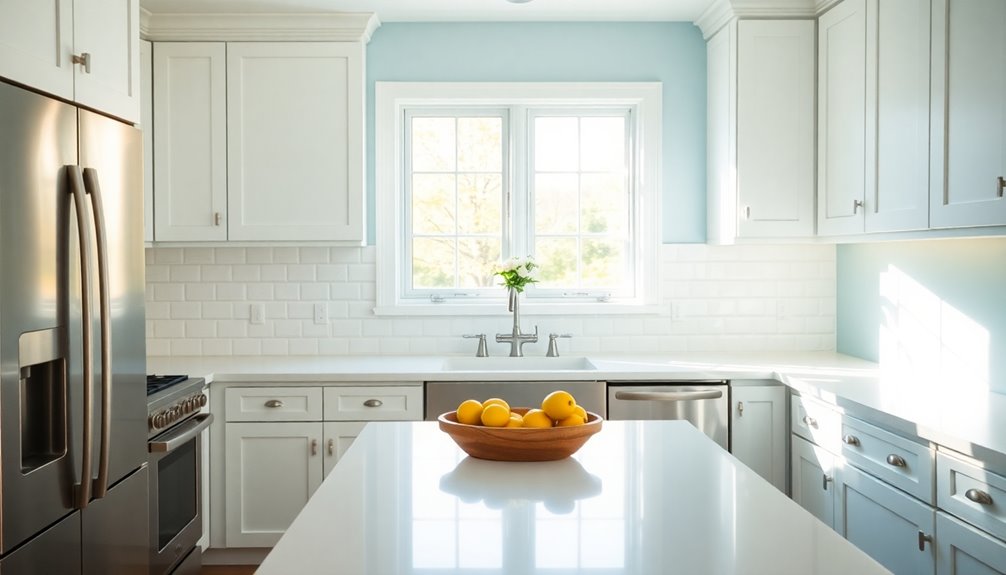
(227,570)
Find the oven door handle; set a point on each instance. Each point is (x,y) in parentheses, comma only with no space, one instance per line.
(668,395)
(181,435)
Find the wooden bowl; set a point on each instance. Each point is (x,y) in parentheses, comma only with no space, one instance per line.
(519,443)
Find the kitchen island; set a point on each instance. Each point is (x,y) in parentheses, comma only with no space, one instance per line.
(639,497)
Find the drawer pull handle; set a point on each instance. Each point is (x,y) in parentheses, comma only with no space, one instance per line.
(314,447)
(810,421)
(274,403)
(978,496)
(825,480)
(896,460)
(373,403)
(922,540)
(851,440)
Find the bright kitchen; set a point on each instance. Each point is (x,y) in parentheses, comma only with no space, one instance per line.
(779,221)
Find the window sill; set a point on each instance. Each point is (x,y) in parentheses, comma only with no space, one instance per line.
(526,309)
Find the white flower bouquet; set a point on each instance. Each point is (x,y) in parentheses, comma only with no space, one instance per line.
(517,273)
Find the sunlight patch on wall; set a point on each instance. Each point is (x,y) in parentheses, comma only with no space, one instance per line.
(924,338)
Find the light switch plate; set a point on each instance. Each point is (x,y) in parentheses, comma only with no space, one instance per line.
(320,313)
(257,313)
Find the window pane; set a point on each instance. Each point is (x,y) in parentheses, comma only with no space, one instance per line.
(602,143)
(475,259)
(555,203)
(603,264)
(433,145)
(556,145)
(557,258)
(605,207)
(480,203)
(433,204)
(432,263)
(480,144)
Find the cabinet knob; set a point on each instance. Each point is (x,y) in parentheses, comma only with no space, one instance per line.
(747,212)
(923,538)
(740,409)
(856,204)
(978,496)
(850,440)
(331,447)
(84,59)
(810,421)
(825,480)
(274,403)
(896,460)
(216,218)
(373,403)
(314,447)
(1000,186)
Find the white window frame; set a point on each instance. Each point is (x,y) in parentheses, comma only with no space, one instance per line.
(391,100)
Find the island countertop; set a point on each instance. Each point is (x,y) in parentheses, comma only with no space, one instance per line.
(639,497)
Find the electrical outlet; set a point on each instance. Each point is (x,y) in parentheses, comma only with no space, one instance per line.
(320,313)
(257,313)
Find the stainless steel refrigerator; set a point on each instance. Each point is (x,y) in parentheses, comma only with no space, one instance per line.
(73,473)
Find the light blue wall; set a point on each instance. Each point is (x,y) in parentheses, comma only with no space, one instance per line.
(672,53)
(969,275)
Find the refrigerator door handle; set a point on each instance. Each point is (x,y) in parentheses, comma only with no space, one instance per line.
(93,189)
(83,489)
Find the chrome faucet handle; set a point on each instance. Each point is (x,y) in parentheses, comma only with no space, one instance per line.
(483,350)
(553,347)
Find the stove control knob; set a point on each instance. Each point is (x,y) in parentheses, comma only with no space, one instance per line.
(203,400)
(183,407)
(152,422)
(158,420)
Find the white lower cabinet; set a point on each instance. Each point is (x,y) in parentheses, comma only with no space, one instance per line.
(272,469)
(887,524)
(338,437)
(964,550)
(813,479)
(758,430)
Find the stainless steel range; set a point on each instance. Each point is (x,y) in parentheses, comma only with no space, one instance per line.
(174,426)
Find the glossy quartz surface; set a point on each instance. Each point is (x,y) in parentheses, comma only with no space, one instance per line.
(639,497)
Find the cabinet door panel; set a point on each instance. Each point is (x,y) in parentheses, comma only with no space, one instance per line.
(338,437)
(969,113)
(813,479)
(190,141)
(272,469)
(964,550)
(758,431)
(147,125)
(775,103)
(36,43)
(884,522)
(841,118)
(295,144)
(108,30)
(898,96)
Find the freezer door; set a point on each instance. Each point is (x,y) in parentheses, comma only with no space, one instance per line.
(113,151)
(55,550)
(116,529)
(39,314)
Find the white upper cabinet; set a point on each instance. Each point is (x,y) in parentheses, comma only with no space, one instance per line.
(761,130)
(147,125)
(190,141)
(968,113)
(295,141)
(873,122)
(41,39)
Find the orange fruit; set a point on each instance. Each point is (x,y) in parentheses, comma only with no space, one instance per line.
(537,418)
(573,419)
(497,401)
(495,415)
(558,405)
(470,412)
(515,420)
(581,412)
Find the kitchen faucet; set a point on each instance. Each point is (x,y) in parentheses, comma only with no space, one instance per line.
(515,338)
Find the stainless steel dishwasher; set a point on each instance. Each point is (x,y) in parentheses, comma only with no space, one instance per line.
(703,403)
(443,396)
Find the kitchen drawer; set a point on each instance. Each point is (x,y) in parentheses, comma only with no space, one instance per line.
(374,403)
(273,404)
(905,464)
(817,422)
(971,493)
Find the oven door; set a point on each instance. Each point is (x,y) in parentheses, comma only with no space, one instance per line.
(176,518)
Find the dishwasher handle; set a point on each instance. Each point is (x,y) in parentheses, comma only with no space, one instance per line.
(669,395)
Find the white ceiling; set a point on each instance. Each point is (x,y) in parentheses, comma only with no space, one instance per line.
(458,10)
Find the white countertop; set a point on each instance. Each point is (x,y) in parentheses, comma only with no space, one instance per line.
(639,497)
(944,412)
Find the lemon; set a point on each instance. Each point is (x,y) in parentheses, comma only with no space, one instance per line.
(537,418)
(495,415)
(558,405)
(469,412)
(573,419)
(515,420)
(497,401)
(581,412)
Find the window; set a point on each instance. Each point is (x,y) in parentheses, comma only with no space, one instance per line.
(470,174)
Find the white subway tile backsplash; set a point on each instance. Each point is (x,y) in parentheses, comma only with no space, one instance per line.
(744,298)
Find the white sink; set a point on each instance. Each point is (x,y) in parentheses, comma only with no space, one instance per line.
(518,364)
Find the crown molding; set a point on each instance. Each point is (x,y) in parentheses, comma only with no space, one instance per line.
(720,12)
(296,27)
